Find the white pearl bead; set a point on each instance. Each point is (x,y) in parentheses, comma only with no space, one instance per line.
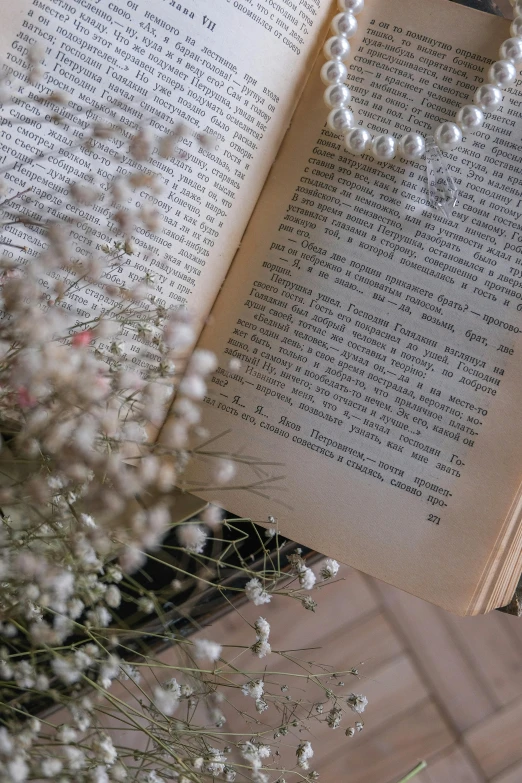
(516,27)
(412,146)
(355,6)
(384,147)
(511,50)
(488,97)
(517,7)
(469,118)
(345,24)
(336,96)
(502,74)
(334,72)
(337,48)
(358,141)
(448,136)
(340,120)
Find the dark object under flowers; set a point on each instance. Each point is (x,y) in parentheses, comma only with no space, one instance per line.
(481,5)
(179,612)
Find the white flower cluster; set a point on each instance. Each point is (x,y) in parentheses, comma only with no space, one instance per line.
(82,713)
(153,777)
(329,568)
(214,701)
(146,605)
(334,717)
(357,702)
(18,765)
(256,593)
(303,753)
(14,752)
(167,697)
(192,537)
(255,689)
(307,578)
(104,749)
(305,575)
(109,670)
(215,764)
(261,646)
(254,755)
(206,650)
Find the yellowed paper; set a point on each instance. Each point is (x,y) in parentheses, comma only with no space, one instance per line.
(222,69)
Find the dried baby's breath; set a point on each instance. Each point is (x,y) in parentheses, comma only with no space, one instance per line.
(99,416)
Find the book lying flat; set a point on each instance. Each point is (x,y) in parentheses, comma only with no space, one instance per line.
(369,374)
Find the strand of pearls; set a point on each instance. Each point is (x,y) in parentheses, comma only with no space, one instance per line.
(411,146)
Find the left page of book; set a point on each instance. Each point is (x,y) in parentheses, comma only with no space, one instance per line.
(231,69)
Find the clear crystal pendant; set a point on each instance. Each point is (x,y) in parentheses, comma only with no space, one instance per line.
(442,191)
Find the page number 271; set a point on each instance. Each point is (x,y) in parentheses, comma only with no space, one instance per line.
(433,518)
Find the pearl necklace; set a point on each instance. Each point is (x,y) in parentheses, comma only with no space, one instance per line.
(442,192)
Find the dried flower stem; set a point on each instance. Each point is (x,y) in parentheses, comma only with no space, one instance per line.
(414,772)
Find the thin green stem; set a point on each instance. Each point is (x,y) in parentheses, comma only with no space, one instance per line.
(414,772)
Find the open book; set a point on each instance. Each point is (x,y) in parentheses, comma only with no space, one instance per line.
(376,342)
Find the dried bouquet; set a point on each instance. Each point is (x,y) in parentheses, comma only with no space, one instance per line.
(106,675)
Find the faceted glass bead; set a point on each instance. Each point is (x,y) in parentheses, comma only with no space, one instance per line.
(442,190)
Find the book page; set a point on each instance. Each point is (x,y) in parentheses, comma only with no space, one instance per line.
(379,341)
(230,69)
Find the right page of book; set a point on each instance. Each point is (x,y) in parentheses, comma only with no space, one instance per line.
(379,341)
